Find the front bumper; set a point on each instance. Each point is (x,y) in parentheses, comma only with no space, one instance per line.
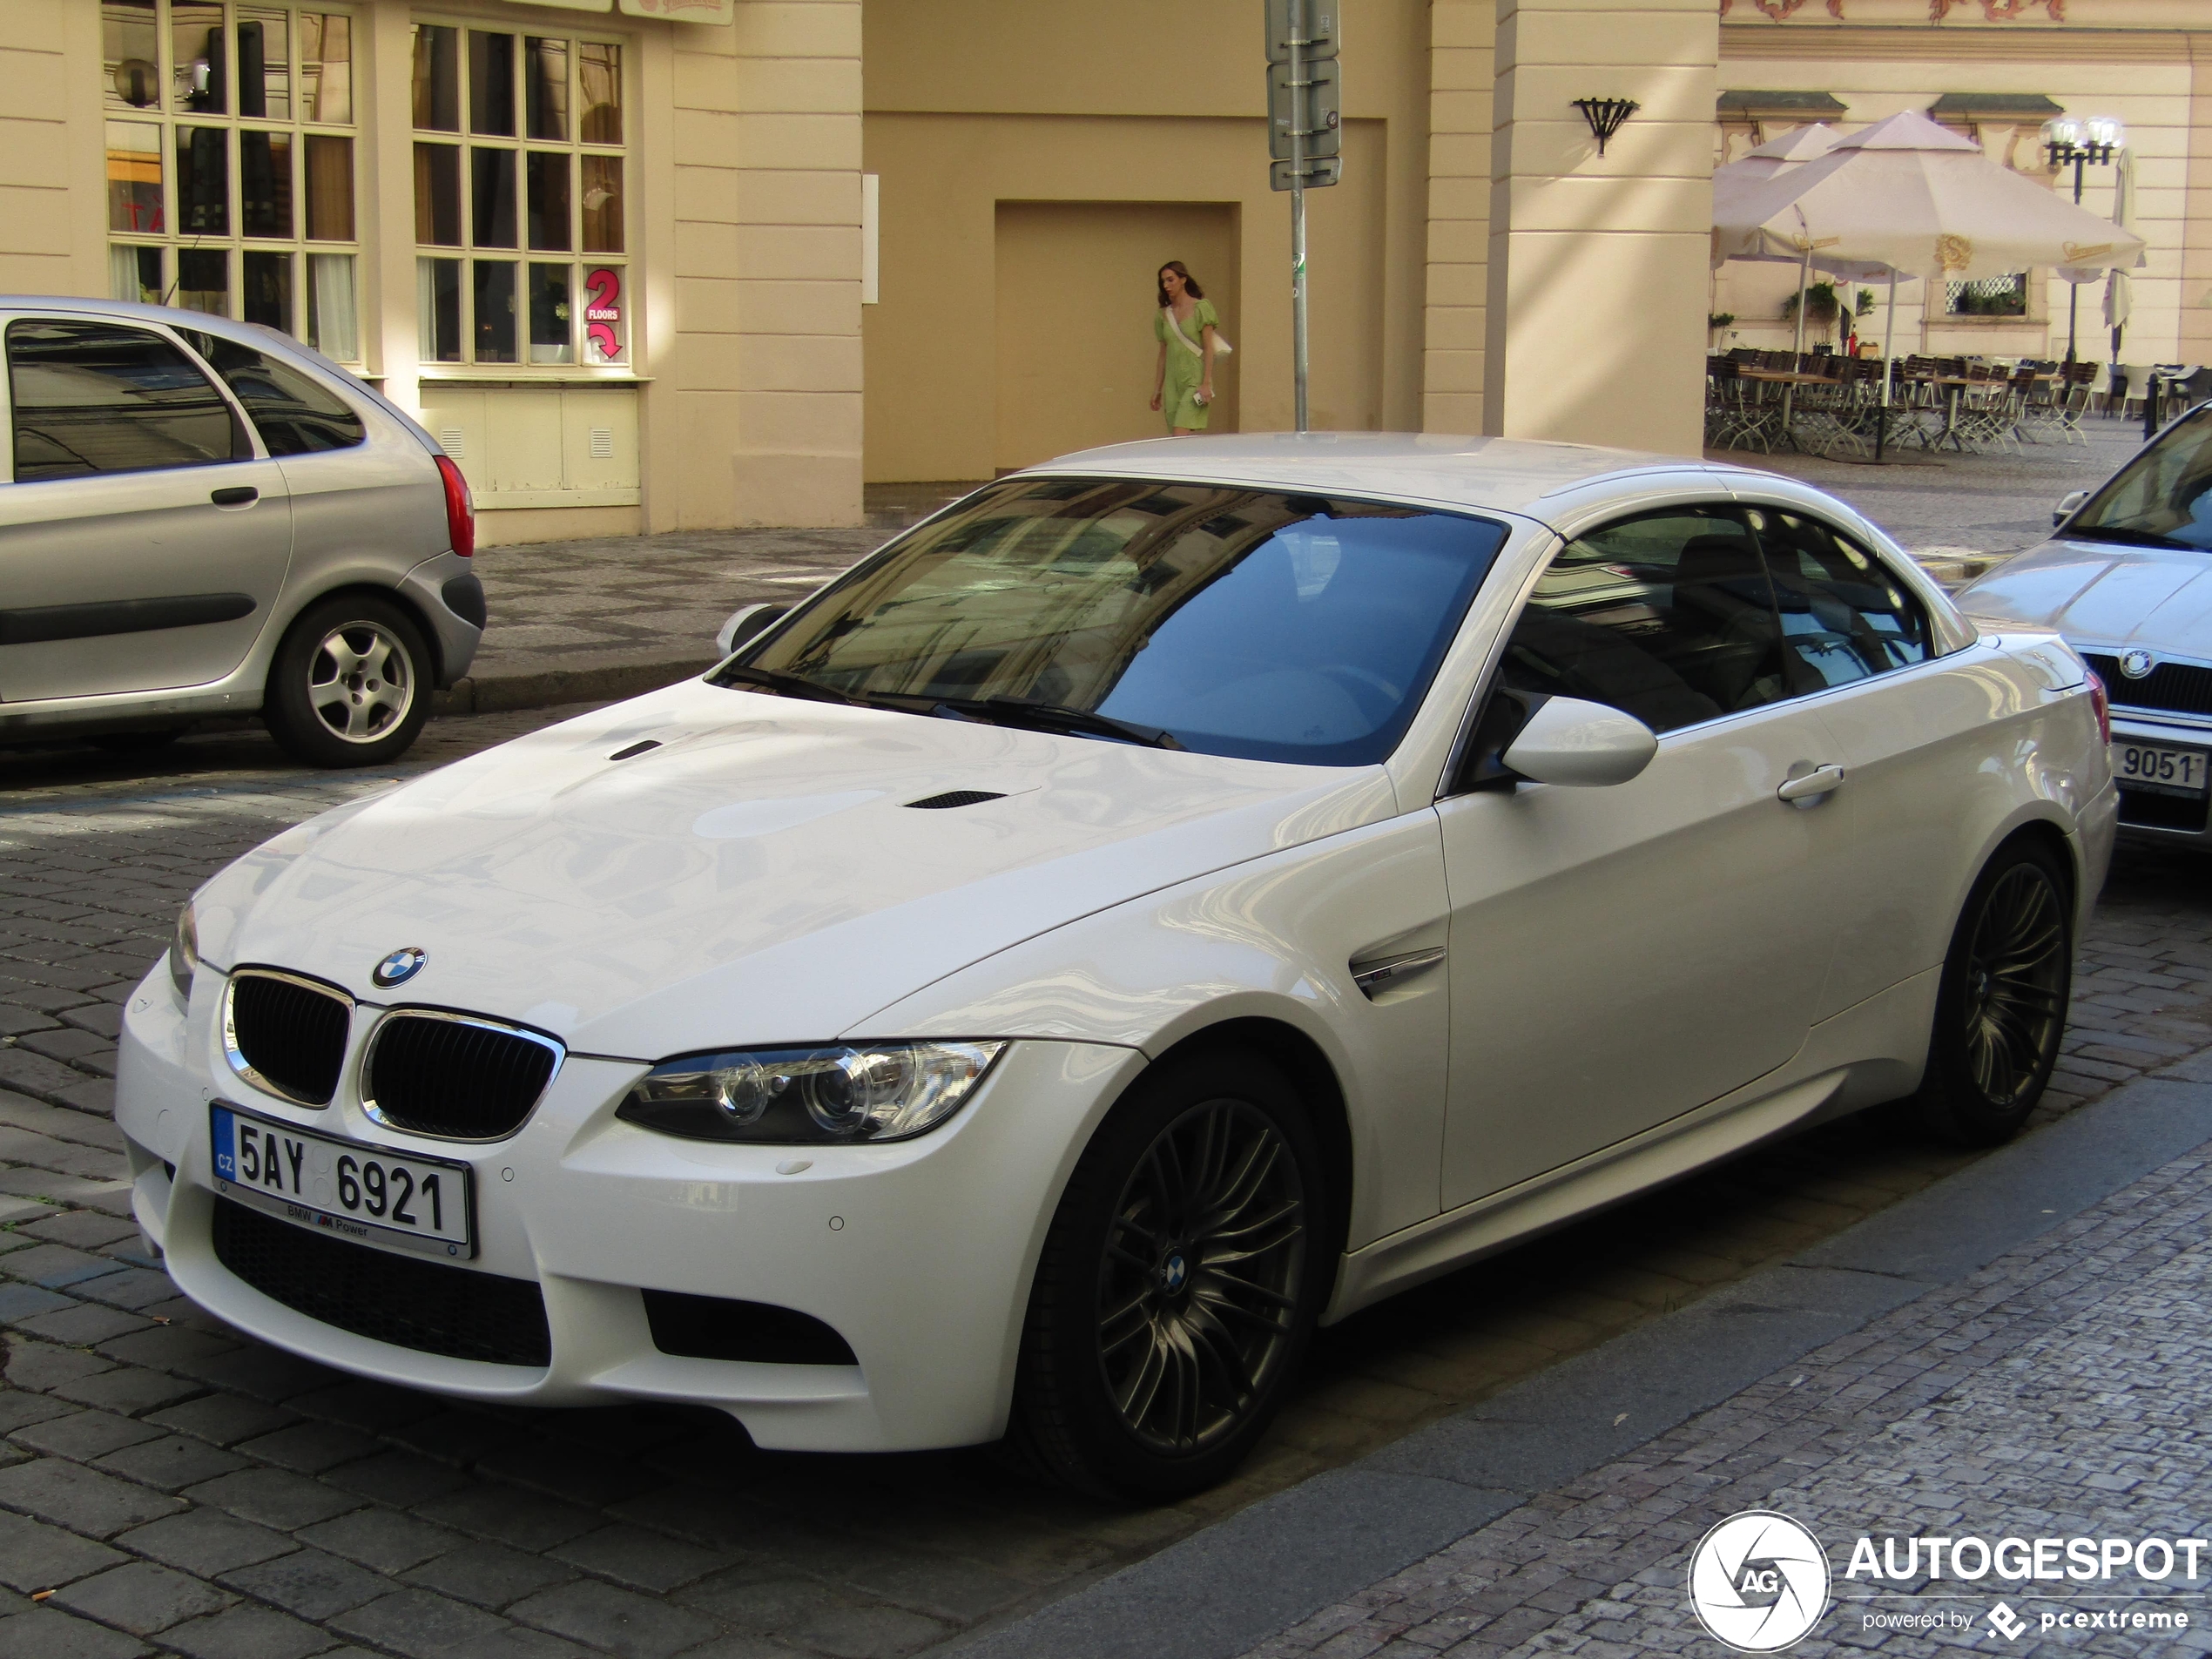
(2147,816)
(919,1253)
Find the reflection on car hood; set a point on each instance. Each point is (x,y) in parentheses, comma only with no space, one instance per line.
(759,877)
(2103,593)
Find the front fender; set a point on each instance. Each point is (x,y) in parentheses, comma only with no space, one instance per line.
(1272,938)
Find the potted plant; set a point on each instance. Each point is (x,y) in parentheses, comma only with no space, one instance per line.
(1822,306)
(1718,324)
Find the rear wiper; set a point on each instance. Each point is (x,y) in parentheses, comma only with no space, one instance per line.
(1057,716)
(2134,538)
(771,679)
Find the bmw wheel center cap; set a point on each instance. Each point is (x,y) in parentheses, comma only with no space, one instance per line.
(399,967)
(2137,663)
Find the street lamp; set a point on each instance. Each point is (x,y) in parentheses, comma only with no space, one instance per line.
(2070,139)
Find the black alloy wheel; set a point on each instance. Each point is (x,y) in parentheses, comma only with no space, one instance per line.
(1180,1284)
(2002,1005)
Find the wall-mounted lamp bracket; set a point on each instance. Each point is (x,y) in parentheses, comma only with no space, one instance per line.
(1606,116)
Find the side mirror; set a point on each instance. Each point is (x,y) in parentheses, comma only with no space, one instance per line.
(2068,505)
(1580,744)
(746,622)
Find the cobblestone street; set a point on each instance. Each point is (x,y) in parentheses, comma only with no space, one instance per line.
(169,1484)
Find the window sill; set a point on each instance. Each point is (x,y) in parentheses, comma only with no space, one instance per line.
(549,377)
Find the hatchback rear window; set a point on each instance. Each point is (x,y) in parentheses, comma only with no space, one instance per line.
(294,416)
(1235,621)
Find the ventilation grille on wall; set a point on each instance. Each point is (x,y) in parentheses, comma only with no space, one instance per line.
(603,443)
(449,441)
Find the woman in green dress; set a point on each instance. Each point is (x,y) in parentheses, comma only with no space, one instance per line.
(1189,332)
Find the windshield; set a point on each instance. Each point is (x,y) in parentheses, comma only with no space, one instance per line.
(1236,621)
(2164,494)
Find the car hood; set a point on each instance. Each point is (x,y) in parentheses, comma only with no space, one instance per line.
(758,877)
(2100,593)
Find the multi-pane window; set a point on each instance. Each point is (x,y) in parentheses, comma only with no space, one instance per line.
(230,163)
(519,198)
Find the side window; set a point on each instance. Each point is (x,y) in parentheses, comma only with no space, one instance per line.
(95,397)
(1668,617)
(1843,617)
(294,416)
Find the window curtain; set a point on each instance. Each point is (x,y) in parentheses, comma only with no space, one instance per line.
(122,272)
(334,319)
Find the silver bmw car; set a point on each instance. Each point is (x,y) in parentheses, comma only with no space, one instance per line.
(2127,577)
(206,517)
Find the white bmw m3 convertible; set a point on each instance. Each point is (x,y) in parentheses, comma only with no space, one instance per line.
(1171,899)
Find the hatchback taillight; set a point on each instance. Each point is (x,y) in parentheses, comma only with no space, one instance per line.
(2100,700)
(460,508)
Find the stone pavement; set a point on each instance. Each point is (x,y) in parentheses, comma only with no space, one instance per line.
(177,1484)
(2060,1393)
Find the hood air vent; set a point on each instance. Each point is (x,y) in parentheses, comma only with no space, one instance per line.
(635,749)
(957,797)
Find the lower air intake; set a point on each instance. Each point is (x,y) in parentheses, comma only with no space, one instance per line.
(424,1305)
(708,1327)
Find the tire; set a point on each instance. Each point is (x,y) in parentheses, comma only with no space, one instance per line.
(2001,1007)
(333,697)
(1179,1284)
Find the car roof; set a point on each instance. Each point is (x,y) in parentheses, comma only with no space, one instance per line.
(258,335)
(1504,475)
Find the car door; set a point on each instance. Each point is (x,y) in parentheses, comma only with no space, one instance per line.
(1622,956)
(143,540)
(1909,727)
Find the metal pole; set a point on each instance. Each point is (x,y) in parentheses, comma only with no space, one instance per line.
(1798,352)
(2073,289)
(1889,331)
(1299,104)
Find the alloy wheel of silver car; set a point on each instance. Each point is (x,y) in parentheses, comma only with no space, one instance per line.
(360,683)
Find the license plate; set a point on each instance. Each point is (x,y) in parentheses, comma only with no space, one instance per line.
(2158,769)
(368,1194)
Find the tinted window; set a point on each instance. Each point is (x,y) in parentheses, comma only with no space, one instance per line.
(1843,617)
(1669,616)
(92,397)
(294,416)
(1243,622)
(2162,498)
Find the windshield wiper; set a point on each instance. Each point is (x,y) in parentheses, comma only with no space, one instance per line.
(2132,537)
(771,679)
(1057,716)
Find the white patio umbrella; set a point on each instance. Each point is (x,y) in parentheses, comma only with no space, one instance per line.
(1791,150)
(1919,201)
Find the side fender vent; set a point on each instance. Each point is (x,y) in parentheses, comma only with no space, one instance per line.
(957,797)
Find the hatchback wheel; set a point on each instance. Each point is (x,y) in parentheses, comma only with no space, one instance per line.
(1179,1284)
(2001,1007)
(351,683)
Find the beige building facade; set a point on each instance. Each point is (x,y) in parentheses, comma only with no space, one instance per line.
(648,265)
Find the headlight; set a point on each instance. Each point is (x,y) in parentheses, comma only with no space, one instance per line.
(877,1091)
(184,954)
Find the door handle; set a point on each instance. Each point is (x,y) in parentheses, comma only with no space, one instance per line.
(1808,790)
(234,495)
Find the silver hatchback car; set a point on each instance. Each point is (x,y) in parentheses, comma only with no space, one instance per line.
(206,517)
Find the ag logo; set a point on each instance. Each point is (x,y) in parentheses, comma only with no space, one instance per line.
(1759,1582)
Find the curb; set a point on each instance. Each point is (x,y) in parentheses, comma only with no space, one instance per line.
(547,688)
(1228,1588)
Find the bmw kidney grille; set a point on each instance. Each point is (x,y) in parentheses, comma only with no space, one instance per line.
(285,1035)
(453,1075)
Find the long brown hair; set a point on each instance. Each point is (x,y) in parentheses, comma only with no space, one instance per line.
(1189,283)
